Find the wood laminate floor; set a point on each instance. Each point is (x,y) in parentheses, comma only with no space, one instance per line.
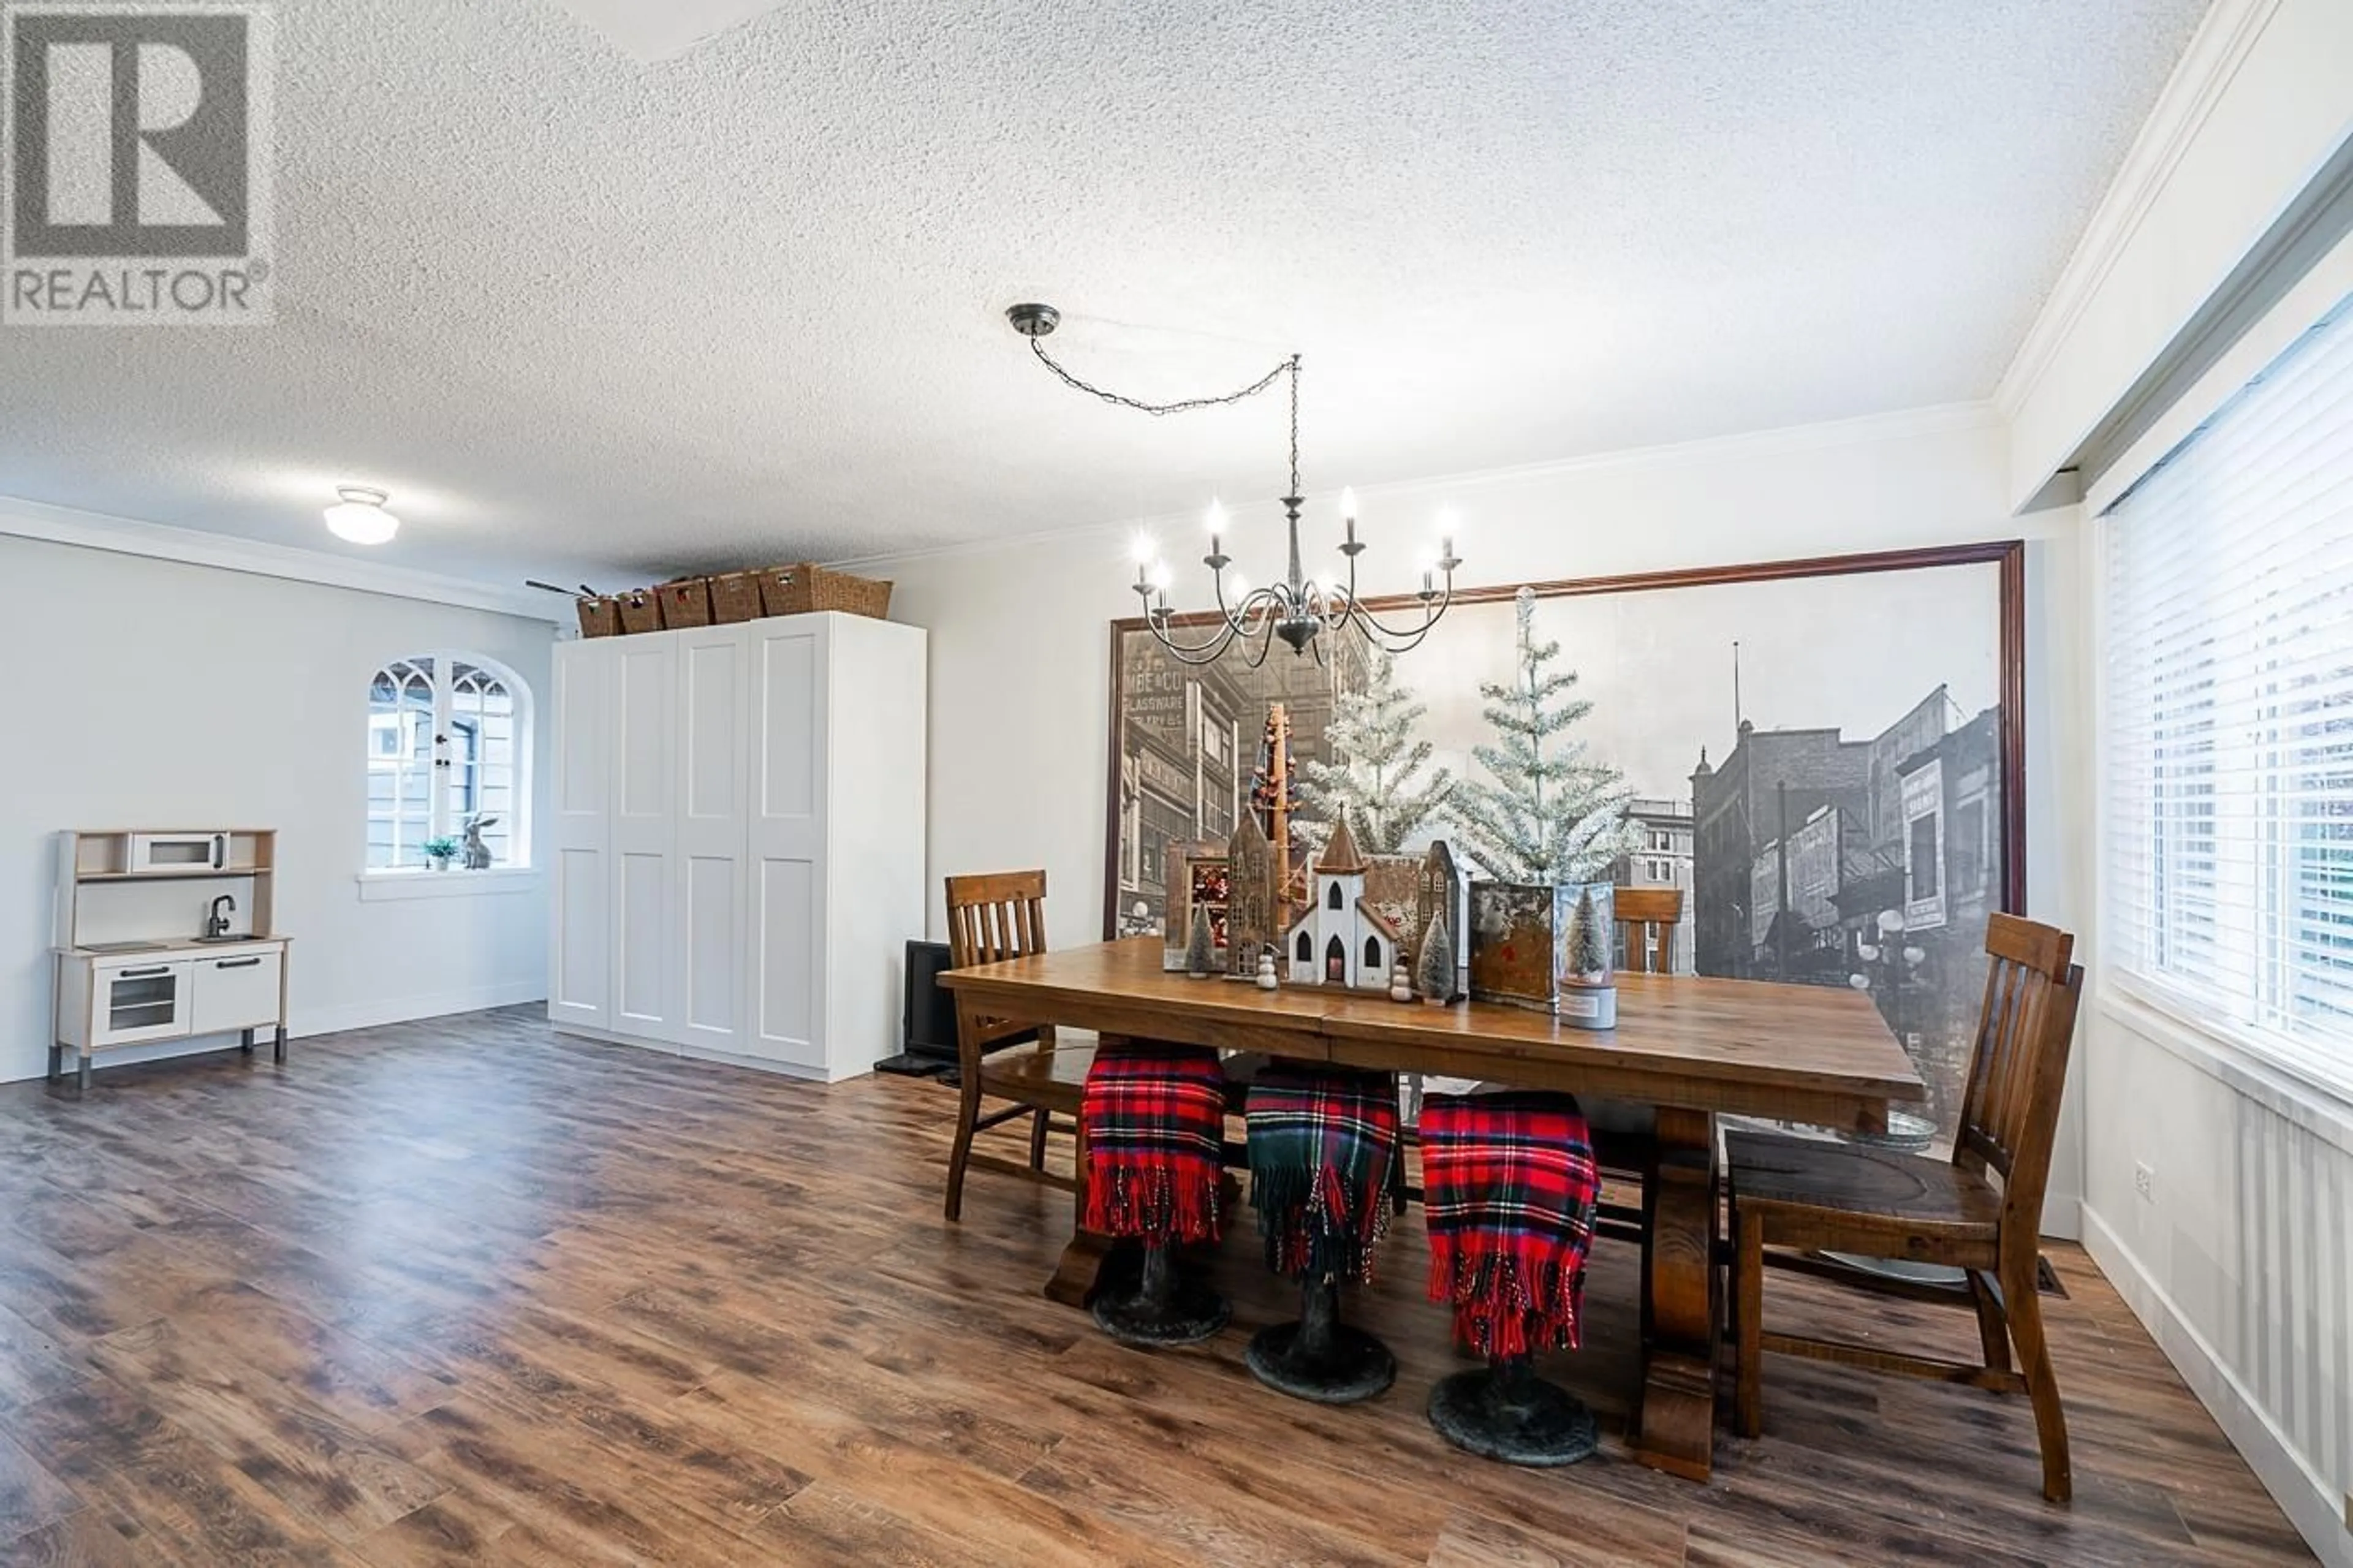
(466,1291)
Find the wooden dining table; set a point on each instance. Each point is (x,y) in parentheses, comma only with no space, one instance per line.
(1691,1047)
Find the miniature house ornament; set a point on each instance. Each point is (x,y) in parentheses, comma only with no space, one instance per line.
(1197,878)
(1253,895)
(1340,939)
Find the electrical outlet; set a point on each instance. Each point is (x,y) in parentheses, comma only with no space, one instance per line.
(2145,1184)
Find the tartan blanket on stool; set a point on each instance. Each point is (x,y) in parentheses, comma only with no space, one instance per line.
(1509,1190)
(1321,1144)
(1155,1123)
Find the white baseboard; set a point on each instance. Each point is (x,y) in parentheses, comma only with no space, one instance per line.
(2307,1499)
(703,1053)
(310,1021)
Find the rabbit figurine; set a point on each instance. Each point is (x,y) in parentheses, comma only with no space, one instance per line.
(477,853)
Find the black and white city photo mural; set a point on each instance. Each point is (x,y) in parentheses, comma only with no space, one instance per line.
(1822,755)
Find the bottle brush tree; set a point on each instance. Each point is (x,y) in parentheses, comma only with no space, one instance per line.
(1433,969)
(1201,946)
(1546,815)
(1589,948)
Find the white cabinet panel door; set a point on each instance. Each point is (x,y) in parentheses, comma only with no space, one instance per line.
(645,836)
(580,895)
(237,991)
(714,754)
(788,730)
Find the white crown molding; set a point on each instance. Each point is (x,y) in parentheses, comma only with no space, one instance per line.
(2216,51)
(1936,419)
(195,547)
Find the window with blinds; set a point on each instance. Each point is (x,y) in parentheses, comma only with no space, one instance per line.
(2229,717)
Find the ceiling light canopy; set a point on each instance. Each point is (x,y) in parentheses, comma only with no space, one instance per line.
(359,517)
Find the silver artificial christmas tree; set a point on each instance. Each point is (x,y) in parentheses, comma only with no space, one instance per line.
(1549,818)
(1371,779)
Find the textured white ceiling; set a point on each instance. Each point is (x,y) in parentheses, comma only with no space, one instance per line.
(572,307)
(657,29)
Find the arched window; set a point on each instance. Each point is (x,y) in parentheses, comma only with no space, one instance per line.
(1306,948)
(447,744)
(1331,900)
(1373,963)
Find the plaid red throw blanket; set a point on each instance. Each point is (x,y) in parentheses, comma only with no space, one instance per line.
(1156,1123)
(1320,1148)
(1509,1190)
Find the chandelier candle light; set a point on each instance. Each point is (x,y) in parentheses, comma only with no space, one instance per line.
(1298,608)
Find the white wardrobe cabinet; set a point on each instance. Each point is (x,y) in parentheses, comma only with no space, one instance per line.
(738,839)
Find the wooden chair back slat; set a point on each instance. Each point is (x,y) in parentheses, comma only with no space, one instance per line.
(995,916)
(1647,921)
(2009,1114)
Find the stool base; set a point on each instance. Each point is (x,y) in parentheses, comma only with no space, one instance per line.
(1160,1307)
(1352,1366)
(1320,1358)
(1509,1414)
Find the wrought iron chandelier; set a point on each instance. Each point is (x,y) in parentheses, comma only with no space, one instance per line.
(1299,609)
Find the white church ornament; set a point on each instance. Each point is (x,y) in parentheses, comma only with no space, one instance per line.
(1339,939)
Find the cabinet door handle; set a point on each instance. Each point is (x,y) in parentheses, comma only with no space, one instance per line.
(142,973)
(237,964)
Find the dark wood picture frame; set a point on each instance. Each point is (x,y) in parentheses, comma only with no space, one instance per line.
(2009,555)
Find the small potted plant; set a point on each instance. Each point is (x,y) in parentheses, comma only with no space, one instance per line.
(441,851)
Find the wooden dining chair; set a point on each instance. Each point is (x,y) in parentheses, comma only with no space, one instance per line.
(1979,1212)
(1647,922)
(994,916)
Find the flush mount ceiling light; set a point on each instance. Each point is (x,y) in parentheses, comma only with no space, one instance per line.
(360,516)
(1296,608)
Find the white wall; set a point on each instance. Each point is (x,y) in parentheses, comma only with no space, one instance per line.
(148,691)
(2240,1259)
(1020,644)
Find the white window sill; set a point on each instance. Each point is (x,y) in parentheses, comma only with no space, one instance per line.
(376,885)
(2319,1107)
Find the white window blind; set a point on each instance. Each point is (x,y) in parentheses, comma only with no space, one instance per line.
(2228,719)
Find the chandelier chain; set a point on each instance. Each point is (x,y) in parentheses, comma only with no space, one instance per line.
(1180,406)
(1294,425)
(1295,608)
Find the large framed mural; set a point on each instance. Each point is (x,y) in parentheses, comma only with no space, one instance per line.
(1825,756)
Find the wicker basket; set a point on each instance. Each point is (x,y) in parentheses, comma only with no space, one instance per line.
(734,596)
(685,603)
(600,616)
(640,611)
(798,590)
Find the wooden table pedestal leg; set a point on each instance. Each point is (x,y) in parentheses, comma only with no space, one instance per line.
(1676,1427)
